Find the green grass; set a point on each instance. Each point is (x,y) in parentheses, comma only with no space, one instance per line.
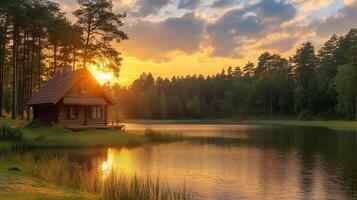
(60,137)
(336,125)
(35,135)
(5,146)
(20,185)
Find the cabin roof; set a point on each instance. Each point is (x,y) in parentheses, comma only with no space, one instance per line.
(55,89)
(67,100)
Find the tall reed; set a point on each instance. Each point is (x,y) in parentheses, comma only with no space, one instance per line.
(107,184)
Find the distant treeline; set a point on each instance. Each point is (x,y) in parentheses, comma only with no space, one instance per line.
(308,85)
(37,41)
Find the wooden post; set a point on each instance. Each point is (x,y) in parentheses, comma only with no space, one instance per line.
(106,115)
(85,115)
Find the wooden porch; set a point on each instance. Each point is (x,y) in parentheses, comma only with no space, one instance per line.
(110,125)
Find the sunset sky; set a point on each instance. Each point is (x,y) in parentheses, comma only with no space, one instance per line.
(182,37)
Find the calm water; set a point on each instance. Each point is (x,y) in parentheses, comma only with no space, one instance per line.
(243,162)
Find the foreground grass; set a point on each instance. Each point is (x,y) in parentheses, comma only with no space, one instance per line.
(18,185)
(336,125)
(5,146)
(56,177)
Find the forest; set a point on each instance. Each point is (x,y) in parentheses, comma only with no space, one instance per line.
(311,84)
(37,41)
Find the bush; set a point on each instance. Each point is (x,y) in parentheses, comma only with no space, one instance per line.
(4,127)
(303,115)
(5,146)
(35,124)
(9,133)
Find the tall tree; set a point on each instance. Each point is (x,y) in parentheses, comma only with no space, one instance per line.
(305,62)
(346,82)
(101,26)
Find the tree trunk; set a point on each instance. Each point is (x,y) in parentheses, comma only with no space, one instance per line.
(14,73)
(2,65)
(356,108)
(30,76)
(54,59)
(39,63)
(23,81)
(74,59)
(87,43)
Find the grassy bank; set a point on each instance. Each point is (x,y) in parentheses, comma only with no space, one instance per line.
(56,177)
(336,125)
(34,135)
(60,137)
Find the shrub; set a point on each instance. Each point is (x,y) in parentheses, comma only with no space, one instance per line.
(15,134)
(5,146)
(9,133)
(35,124)
(4,127)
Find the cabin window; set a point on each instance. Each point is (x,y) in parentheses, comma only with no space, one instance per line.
(83,88)
(96,112)
(72,112)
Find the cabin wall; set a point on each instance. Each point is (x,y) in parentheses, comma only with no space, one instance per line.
(46,114)
(65,119)
(93,89)
(82,118)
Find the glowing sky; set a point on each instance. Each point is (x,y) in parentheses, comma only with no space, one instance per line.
(181,37)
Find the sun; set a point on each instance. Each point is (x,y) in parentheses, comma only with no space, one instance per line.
(101,76)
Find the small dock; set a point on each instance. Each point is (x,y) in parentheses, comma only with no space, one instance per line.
(111,125)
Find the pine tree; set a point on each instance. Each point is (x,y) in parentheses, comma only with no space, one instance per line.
(101,26)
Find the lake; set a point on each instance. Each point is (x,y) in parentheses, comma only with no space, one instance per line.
(229,161)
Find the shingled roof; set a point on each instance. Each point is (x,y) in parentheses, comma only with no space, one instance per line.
(54,90)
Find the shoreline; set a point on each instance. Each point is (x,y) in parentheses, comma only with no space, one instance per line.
(331,124)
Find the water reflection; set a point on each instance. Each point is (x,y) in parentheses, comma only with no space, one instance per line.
(268,162)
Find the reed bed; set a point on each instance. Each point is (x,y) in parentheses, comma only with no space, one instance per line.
(107,184)
(5,146)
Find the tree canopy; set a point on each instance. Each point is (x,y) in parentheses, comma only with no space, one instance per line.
(37,41)
(309,85)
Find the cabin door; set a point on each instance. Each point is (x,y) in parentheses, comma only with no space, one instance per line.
(85,115)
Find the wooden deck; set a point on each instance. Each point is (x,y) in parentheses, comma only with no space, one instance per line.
(108,126)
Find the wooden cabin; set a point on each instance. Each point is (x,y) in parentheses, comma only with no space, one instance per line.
(74,99)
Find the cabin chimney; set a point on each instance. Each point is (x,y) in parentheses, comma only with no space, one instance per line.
(66,69)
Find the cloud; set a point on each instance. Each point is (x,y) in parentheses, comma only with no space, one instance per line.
(145,8)
(156,40)
(281,45)
(222,3)
(274,11)
(338,23)
(236,26)
(188,4)
(310,5)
